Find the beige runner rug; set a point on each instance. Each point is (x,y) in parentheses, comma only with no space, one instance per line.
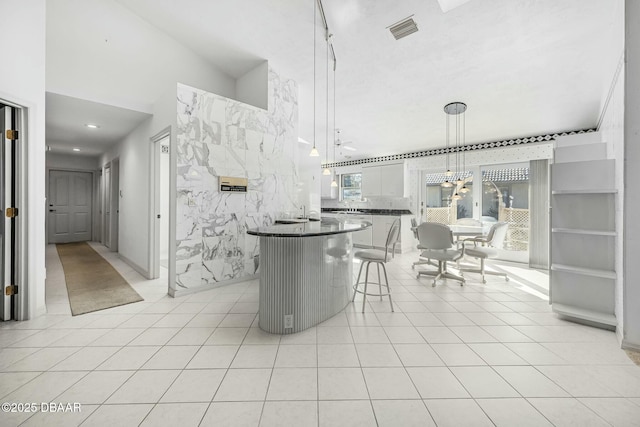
(92,283)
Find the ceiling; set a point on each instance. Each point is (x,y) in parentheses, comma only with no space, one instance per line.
(523,67)
(66,121)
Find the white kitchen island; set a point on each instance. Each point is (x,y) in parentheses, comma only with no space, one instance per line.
(306,272)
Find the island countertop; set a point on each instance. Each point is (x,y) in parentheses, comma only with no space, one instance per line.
(326,226)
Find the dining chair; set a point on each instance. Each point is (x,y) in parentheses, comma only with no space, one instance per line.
(489,236)
(494,240)
(421,261)
(438,244)
(380,258)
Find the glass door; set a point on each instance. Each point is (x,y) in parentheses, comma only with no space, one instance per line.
(505,198)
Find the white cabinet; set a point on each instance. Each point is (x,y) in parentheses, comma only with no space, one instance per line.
(384,180)
(583,237)
(381,226)
(326,190)
(376,235)
(370,181)
(360,238)
(392,180)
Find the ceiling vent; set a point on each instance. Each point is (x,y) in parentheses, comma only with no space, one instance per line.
(403,28)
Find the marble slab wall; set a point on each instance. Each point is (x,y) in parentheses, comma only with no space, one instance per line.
(218,136)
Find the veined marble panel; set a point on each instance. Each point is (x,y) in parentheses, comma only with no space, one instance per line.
(188,274)
(217,136)
(254,140)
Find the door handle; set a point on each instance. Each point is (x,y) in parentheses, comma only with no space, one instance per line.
(52,210)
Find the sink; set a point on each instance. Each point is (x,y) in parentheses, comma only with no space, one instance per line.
(349,212)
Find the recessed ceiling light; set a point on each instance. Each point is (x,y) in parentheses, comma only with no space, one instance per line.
(92,126)
(303,141)
(76,149)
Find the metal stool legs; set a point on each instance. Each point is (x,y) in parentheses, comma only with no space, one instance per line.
(356,288)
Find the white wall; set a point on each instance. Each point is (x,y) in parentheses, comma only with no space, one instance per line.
(252,87)
(22,38)
(105,53)
(152,66)
(631,234)
(71,161)
(133,155)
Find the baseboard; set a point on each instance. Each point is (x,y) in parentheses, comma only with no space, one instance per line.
(144,272)
(177,293)
(626,345)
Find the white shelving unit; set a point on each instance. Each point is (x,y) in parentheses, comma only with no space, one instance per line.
(583,230)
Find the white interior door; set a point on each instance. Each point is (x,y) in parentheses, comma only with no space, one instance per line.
(70,206)
(7,200)
(160,176)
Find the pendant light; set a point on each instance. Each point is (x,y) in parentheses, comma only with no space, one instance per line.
(314,151)
(454,109)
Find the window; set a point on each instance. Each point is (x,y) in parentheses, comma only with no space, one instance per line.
(351,186)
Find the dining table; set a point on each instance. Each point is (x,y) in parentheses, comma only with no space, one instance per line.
(469,230)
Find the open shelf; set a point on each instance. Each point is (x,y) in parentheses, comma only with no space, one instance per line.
(605,274)
(583,231)
(582,313)
(594,191)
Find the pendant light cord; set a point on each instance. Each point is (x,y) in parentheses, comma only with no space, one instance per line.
(314,73)
(335,131)
(326,140)
(447,158)
(457,147)
(464,139)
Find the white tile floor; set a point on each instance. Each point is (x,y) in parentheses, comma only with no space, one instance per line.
(449,356)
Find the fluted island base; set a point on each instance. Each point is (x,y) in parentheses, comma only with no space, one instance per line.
(303,281)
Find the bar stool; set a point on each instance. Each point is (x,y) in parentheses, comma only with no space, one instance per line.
(380,258)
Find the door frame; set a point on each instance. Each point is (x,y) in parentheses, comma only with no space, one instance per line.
(24,302)
(114,203)
(95,205)
(154,206)
(105,237)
